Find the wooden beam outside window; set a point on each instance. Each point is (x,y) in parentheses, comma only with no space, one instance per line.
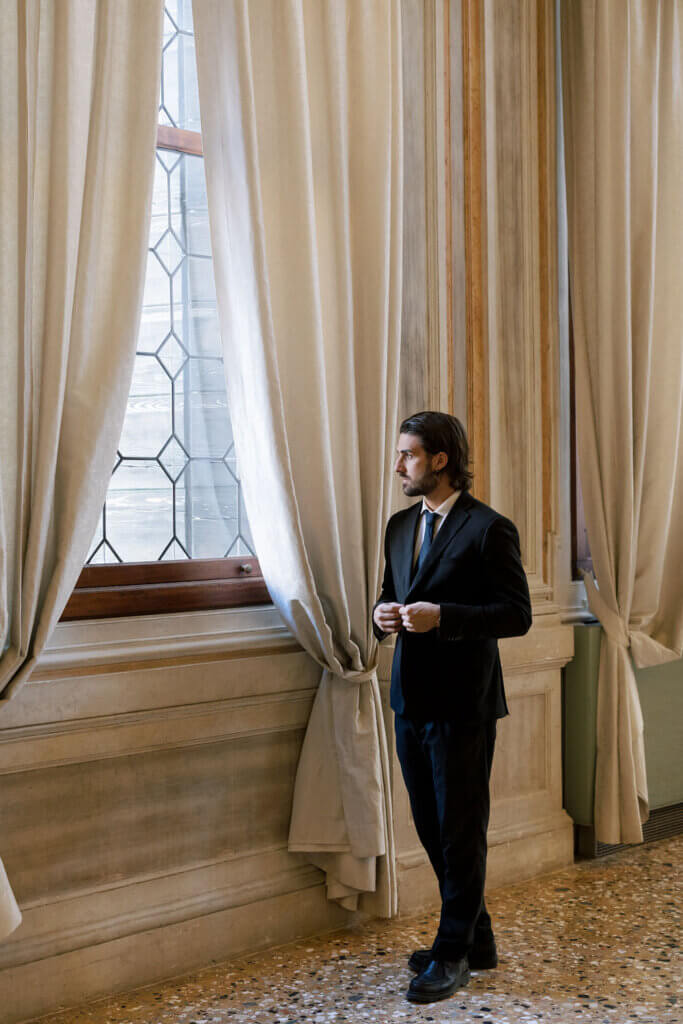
(180,140)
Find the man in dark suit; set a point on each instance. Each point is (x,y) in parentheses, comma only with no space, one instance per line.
(453,583)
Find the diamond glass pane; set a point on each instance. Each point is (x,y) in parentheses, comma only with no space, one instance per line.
(207,508)
(179,92)
(169,251)
(172,356)
(157,293)
(195,286)
(195,314)
(173,459)
(159,217)
(202,422)
(187,198)
(174,493)
(139,511)
(155,326)
(148,422)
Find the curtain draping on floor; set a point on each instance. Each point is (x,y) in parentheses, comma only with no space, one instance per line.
(301,120)
(623,101)
(78,92)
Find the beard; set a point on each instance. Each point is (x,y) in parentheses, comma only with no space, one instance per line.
(425,484)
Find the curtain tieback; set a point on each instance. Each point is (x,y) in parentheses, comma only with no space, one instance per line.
(612,624)
(351,676)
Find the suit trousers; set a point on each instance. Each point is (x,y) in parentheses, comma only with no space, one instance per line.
(446,768)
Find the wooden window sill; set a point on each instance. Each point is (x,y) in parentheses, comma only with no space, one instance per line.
(155,588)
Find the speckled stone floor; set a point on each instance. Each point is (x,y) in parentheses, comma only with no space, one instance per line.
(594,944)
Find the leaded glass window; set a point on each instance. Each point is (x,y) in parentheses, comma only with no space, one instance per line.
(174,492)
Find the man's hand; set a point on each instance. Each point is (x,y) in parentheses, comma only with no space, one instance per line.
(387,617)
(420,617)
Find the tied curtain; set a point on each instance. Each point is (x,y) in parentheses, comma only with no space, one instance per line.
(623,100)
(301,122)
(78,89)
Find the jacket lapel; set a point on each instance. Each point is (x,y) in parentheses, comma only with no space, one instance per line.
(403,547)
(455,521)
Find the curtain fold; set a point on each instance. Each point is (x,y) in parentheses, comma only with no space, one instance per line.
(623,103)
(78,95)
(301,120)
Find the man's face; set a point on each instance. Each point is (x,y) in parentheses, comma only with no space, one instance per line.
(415,466)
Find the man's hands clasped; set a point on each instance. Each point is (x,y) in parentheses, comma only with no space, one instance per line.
(419,617)
(388,617)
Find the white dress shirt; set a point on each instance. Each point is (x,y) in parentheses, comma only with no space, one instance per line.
(442,511)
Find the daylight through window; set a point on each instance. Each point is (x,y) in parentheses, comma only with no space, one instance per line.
(173,534)
(174,492)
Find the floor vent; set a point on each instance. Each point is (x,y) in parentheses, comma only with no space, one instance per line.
(663,823)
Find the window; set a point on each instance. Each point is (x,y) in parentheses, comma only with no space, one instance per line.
(580,553)
(173,534)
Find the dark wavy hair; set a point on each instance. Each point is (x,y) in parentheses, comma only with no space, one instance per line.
(439,432)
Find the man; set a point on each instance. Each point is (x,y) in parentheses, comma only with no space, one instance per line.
(453,583)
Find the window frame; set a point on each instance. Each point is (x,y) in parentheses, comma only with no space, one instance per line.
(153,588)
(581,558)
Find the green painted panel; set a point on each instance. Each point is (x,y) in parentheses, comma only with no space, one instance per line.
(661,696)
(580,691)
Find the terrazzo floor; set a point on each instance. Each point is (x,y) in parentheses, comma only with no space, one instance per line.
(594,944)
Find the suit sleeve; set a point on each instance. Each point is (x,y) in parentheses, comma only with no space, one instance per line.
(507,609)
(387,593)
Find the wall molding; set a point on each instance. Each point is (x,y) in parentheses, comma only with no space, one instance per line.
(93,643)
(475,235)
(73,921)
(97,738)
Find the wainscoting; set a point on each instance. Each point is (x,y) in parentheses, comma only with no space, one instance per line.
(145,801)
(145,805)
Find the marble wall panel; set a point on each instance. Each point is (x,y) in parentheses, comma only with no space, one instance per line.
(520,767)
(514,334)
(415,357)
(83,825)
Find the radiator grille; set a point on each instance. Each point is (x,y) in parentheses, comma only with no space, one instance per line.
(663,823)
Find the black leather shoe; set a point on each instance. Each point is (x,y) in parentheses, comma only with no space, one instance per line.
(480,958)
(438,981)
(483,958)
(419,959)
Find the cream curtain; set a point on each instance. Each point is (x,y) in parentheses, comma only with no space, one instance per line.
(301,119)
(623,98)
(79,83)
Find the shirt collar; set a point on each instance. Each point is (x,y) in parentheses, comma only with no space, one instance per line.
(445,506)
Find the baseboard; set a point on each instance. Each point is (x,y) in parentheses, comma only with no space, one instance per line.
(296,907)
(528,856)
(142,904)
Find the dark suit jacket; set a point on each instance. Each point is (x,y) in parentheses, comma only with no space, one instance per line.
(474,572)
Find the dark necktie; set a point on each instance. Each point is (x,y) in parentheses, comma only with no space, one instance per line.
(430,520)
